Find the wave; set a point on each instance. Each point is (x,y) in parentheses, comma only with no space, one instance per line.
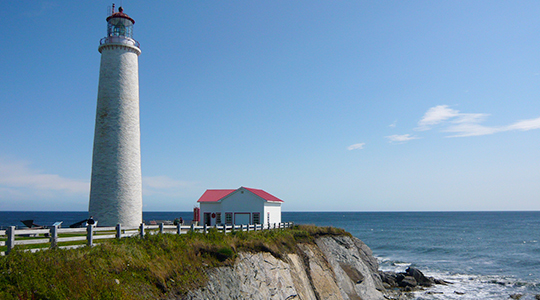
(466,286)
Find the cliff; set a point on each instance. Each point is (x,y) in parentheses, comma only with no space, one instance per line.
(335,267)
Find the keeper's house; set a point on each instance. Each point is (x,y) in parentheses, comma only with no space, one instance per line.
(240,206)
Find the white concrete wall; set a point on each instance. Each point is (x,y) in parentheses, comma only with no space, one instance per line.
(242,201)
(274,209)
(116,186)
(210,207)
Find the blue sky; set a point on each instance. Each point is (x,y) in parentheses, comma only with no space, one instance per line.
(328,105)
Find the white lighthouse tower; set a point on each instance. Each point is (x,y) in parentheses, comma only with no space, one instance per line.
(116,187)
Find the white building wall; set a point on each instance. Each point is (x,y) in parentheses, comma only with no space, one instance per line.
(242,201)
(272,212)
(239,203)
(116,185)
(209,207)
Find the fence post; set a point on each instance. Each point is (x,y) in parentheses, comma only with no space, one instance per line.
(141,228)
(192,229)
(179,228)
(89,235)
(10,243)
(54,236)
(118,231)
(205,228)
(161,230)
(224,228)
(242,227)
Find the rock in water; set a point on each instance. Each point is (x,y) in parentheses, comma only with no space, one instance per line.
(419,277)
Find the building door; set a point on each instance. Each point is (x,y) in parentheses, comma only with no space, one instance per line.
(207,219)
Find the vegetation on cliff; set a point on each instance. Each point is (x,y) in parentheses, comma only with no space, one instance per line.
(154,267)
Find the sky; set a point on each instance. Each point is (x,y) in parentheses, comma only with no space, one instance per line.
(328,105)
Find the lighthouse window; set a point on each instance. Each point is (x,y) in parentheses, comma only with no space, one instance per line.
(119,29)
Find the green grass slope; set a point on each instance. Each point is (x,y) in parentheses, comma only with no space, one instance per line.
(154,267)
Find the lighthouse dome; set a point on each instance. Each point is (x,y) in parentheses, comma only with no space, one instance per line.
(120,14)
(119,29)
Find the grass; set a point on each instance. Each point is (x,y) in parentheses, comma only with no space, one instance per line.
(155,267)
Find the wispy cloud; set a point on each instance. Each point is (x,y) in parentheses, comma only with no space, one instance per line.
(20,181)
(525,125)
(166,186)
(393,125)
(19,178)
(356,146)
(436,115)
(468,124)
(401,138)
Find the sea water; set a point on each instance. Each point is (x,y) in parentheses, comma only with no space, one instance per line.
(485,255)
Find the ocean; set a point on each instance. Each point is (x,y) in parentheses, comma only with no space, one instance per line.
(486,255)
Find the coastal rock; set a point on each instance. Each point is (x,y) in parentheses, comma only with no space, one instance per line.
(407,281)
(389,278)
(419,277)
(353,275)
(334,268)
(410,280)
(338,267)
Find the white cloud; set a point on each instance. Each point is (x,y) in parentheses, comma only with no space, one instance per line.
(468,124)
(16,177)
(18,180)
(356,146)
(401,138)
(436,115)
(470,129)
(525,125)
(166,186)
(393,125)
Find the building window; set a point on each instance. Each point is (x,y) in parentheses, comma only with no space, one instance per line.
(256,218)
(218,218)
(228,218)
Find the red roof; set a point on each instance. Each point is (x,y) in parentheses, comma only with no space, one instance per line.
(214,195)
(217,195)
(119,14)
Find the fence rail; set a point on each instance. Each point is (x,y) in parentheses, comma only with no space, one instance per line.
(52,236)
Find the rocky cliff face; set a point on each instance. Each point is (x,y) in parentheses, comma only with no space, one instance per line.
(337,267)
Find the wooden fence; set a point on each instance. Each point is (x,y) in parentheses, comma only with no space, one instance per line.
(54,237)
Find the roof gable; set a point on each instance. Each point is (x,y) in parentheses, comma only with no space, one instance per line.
(218,195)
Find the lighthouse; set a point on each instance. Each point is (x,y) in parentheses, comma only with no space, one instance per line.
(116,185)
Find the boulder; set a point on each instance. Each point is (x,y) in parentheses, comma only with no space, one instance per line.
(390,278)
(407,281)
(419,277)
